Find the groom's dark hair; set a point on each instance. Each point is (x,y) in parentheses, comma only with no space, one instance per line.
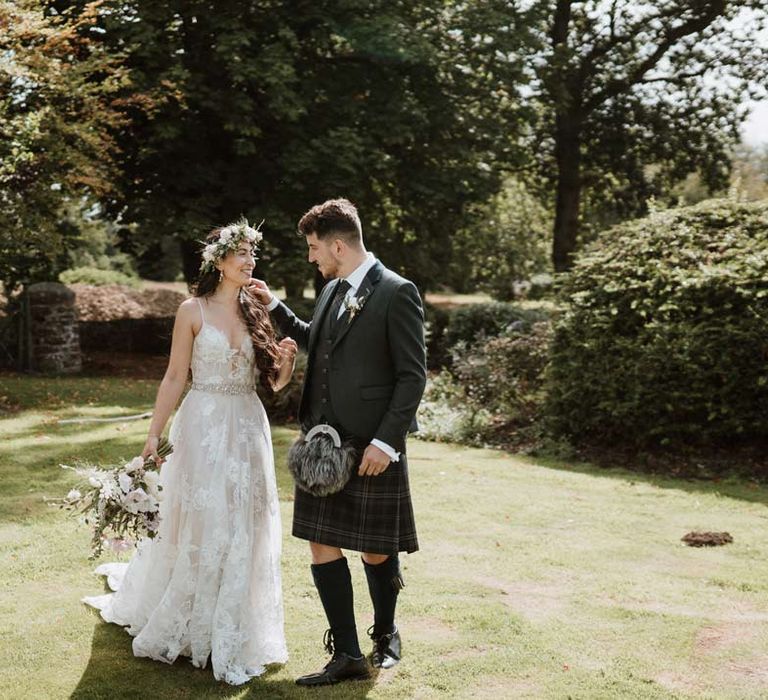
(336,218)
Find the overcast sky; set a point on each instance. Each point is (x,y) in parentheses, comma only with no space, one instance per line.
(755,129)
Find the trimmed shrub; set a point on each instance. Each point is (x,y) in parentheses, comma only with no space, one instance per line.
(97,277)
(493,393)
(664,338)
(468,324)
(504,375)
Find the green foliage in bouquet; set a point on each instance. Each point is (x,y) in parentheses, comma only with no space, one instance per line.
(121,502)
(664,339)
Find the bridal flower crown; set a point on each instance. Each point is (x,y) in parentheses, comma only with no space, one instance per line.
(229,239)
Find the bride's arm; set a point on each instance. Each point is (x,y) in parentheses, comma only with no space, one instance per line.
(175,379)
(288,350)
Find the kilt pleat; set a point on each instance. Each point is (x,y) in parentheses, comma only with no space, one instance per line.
(370,514)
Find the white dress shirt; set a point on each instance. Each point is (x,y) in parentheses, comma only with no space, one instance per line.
(355,279)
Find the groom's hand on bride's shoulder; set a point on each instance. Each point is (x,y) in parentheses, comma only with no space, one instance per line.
(374,462)
(260,289)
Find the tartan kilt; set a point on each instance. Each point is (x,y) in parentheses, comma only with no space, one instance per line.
(370,514)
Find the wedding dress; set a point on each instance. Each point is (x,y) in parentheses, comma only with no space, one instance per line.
(209,584)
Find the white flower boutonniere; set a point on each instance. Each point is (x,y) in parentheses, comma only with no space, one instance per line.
(354,305)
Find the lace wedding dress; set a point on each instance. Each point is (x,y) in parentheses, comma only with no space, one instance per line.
(209,583)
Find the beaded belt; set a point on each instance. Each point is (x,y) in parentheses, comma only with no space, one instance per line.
(223,388)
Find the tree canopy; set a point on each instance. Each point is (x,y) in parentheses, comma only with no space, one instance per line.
(58,117)
(270,107)
(634,96)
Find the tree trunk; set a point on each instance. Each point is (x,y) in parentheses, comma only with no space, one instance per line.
(568,200)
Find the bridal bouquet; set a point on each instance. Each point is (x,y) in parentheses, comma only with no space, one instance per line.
(121,503)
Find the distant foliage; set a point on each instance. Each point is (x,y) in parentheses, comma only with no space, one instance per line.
(96,276)
(494,391)
(665,337)
(471,323)
(505,243)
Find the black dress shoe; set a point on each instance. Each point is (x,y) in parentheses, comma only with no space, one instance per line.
(342,667)
(386,649)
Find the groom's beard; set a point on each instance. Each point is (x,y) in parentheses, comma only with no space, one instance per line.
(329,271)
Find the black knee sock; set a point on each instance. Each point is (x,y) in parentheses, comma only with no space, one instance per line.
(334,584)
(384,583)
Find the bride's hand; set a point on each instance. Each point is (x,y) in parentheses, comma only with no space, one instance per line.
(150,449)
(288,350)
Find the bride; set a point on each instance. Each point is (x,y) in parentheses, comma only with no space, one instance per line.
(209,583)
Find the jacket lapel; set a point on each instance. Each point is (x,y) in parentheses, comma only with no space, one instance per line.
(364,291)
(320,310)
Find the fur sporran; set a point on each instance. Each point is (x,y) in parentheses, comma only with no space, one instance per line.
(321,463)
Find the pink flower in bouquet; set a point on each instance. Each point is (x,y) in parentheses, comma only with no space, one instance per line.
(119,544)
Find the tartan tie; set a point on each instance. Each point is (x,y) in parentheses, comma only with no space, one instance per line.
(338,298)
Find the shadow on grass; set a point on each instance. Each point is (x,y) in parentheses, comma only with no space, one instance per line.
(114,672)
(29,392)
(730,487)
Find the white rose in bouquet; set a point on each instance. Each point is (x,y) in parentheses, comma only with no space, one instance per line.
(134,465)
(119,511)
(152,480)
(139,501)
(125,481)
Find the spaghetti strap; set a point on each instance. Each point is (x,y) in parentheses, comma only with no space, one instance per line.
(202,314)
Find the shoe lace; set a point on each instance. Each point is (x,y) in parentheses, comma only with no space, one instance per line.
(380,640)
(328,642)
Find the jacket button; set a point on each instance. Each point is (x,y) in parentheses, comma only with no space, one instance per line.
(326,356)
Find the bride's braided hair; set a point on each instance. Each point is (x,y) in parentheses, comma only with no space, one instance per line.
(256,319)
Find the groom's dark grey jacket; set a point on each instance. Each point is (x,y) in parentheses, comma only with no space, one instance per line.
(377,359)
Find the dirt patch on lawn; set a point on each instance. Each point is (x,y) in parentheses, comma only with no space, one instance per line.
(428,629)
(533,600)
(494,688)
(716,638)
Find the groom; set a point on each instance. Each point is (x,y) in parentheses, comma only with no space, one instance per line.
(366,372)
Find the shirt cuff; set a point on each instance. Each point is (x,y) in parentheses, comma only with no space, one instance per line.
(273,302)
(392,454)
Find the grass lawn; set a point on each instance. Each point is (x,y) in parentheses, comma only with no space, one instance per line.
(536,579)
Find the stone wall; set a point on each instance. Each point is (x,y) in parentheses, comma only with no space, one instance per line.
(53,329)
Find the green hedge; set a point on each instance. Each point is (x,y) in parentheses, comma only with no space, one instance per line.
(448,328)
(664,338)
(97,276)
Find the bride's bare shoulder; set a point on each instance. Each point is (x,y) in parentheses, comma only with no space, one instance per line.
(188,313)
